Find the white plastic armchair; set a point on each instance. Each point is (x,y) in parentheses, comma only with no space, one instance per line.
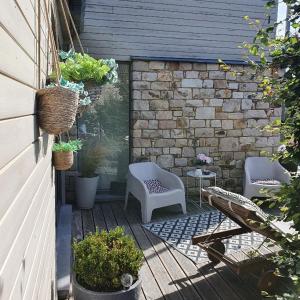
(263,173)
(173,193)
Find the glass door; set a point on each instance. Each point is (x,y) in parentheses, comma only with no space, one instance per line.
(107,125)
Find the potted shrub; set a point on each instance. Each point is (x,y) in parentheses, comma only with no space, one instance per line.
(87,182)
(62,154)
(106,266)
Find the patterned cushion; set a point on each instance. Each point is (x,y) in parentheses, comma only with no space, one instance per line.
(155,186)
(238,199)
(266,181)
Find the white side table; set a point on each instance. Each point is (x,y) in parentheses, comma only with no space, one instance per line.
(201,176)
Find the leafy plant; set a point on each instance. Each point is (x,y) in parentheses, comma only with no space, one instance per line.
(82,67)
(71,146)
(91,155)
(103,258)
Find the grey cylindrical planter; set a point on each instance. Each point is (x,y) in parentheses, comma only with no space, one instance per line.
(133,293)
(86,188)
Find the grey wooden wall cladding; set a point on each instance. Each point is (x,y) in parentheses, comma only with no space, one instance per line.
(197,29)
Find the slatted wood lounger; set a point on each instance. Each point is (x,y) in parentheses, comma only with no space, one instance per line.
(249,218)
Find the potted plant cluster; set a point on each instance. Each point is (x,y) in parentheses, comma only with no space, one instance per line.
(62,154)
(203,160)
(60,101)
(106,267)
(87,182)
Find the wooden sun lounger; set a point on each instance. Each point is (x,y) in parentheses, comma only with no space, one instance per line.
(253,260)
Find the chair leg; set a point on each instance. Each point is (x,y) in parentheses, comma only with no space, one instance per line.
(183,207)
(146,214)
(126,200)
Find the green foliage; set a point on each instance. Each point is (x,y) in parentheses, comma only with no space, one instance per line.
(103,257)
(73,146)
(279,62)
(91,155)
(77,67)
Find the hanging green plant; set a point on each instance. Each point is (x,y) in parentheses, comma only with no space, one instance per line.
(82,67)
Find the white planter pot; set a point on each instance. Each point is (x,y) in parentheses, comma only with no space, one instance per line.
(81,293)
(86,188)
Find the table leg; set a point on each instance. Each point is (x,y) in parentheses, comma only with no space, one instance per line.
(187,188)
(215,180)
(200,192)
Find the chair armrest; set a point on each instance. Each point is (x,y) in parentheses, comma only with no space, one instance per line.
(170,180)
(137,187)
(247,176)
(282,174)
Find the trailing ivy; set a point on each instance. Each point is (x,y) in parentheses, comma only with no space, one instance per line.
(279,60)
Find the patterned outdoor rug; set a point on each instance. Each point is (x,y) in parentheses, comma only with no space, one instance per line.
(179,232)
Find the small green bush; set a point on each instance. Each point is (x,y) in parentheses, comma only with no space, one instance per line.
(72,146)
(103,257)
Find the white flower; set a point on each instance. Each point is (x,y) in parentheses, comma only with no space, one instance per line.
(281,148)
(126,280)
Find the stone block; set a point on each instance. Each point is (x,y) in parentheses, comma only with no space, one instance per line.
(181,143)
(239,124)
(184,66)
(205,113)
(247,104)
(191,83)
(197,123)
(164,115)
(153,124)
(227,124)
(182,122)
(166,133)
(188,112)
(215,123)
(223,93)
(136,133)
(164,142)
(177,75)
(153,133)
(199,66)
(234,132)
(177,133)
(262,105)
(140,105)
(141,143)
(216,75)
(159,105)
(203,75)
(156,65)
(208,83)
(153,151)
(172,65)
(140,124)
(177,103)
(248,87)
(237,95)
(164,76)
(203,93)
(255,114)
(136,75)
(175,151)
(229,144)
(165,161)
(231,105)
(136,95)
(149,76)
(177,113)
(147,115)
(164,85)
(163,124)
(140,66)
(212,67)
(182,93)
(211,142)
(181,162)
(191,74)
(150,95)
(233,85)
(215,102)
(141,85)
(230,75)
(204,132)
(194,103)
(220,84)
(188,152)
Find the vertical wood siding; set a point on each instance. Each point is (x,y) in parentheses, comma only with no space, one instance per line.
(27,204)
(195,29)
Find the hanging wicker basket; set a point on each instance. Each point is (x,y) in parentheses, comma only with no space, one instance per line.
(62,160)
(57,108)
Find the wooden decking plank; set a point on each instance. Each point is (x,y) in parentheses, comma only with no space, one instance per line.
(87,222)
(98,217)
(160,273)
(108,216)
(185,287)
(77,232)
(199,281)
(150,287)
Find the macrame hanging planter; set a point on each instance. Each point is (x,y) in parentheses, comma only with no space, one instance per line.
(57,106)
(62,161)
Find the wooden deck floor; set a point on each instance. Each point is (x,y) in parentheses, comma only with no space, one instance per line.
(166,273)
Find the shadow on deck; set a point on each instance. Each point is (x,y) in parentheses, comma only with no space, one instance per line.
(166,273)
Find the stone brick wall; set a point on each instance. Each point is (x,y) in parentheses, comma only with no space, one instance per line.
(182,109)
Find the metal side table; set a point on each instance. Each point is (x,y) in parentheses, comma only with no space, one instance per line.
(201,176)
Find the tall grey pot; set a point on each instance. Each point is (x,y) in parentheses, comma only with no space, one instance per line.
(80,293)
(86,188)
